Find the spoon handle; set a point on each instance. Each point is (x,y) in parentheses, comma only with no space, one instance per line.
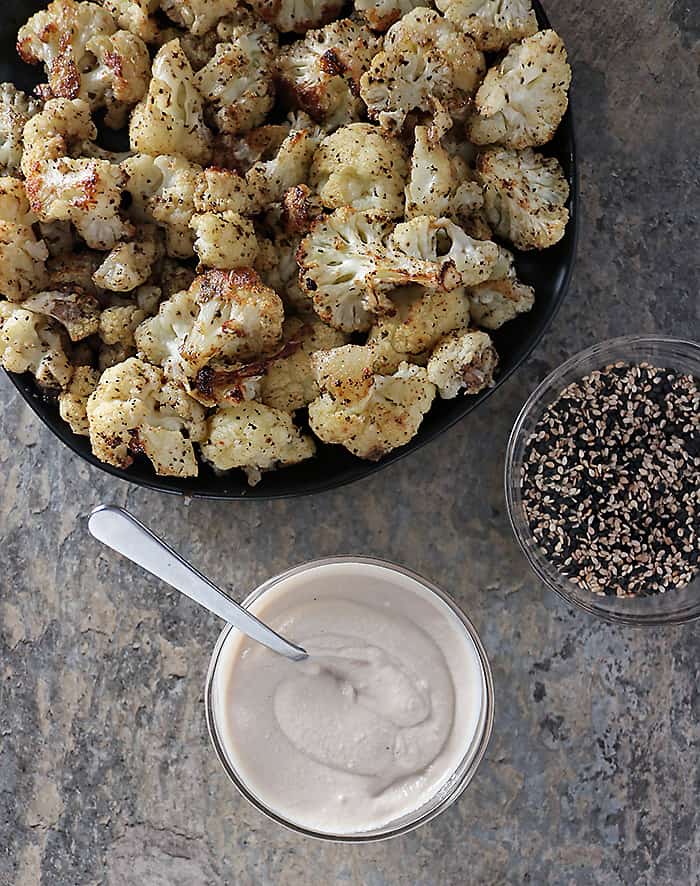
(117,529)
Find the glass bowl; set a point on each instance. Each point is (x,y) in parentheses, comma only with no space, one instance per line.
(672,607)
(445,795)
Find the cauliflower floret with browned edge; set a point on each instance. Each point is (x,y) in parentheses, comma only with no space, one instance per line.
(237,82)
(288,382)
(63,128)
(297,210)
(135,410)
(497,301)
(77,311)
(15,110)
(84,192)
(463,361)
(368,414)
(361,166)
(321,73)
(297,16)
(159,338)
(198,16)
(224,240)
(31,342)
(22,256)
(170,118)
(493,24)
(422,318)
(267,180)
(221,190)
(381,14)
(256,438)
(425,59)
(522,100)
(136,16)
(72,402)
(162,190)
(439,243)
(525,196)
(129,265)
(87,57)
(117,324)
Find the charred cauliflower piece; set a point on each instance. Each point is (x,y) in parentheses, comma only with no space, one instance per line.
(525,197)
(493,24)
(422,318)
(368,414)
(267,180)
(86,57)
(31,342)
(299,209)
(381,14)
(297,16)
(15,111)
(224,240)
(463,361)
(321,73)
(256,438)
(134,410)
(63,128)
(288,382)
(425,59)
(129,265)
(198,16)
(447,256)
(170,119)
(237,81)
(497,301)
(72,403)
(77,312)
(22,256)
(521,102)
(361,166)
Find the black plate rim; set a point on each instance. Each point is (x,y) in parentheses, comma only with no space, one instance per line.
(359,469)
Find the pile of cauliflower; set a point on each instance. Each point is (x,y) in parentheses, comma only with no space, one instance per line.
(306,236)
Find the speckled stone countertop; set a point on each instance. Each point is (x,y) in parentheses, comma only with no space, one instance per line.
(592,775)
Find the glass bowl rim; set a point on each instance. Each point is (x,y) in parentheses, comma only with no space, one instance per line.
(469,763)
(606,350)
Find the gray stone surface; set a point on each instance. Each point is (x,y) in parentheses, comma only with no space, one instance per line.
(592,777)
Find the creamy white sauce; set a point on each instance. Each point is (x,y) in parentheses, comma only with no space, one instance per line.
(374,724)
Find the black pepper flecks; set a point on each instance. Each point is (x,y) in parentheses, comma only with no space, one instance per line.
(611,480)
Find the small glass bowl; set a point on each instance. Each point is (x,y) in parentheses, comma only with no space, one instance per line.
(673,607)
(459,779)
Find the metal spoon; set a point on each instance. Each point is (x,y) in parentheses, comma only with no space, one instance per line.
(117,529)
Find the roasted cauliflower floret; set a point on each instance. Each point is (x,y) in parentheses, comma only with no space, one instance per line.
(237,81)
(267,180)
(463,361)
(75,270)
(522,100)
(497,301)
(86,57)
(256,438)
(134,410)
(321,73)
(63,128)
(425,59)
(277,265)
(162,190)
(493,24)
(422,318)
(449,256)
(15,111)
(31,342)
(198,16)
(368,414)
(297,15)
(72,403)
(135,16)
(288,382)
(78,312)
(224,240)
(117,324)
(361,166)
(381,14)
(170,119)
(129,265)
(299,209)
(22,256)
(221,190)
(158,339)
(338,264)
(525,196)
(85,192)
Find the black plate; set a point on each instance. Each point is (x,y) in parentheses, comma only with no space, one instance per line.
(549,272)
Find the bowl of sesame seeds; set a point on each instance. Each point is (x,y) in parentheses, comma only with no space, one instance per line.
(603,480)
